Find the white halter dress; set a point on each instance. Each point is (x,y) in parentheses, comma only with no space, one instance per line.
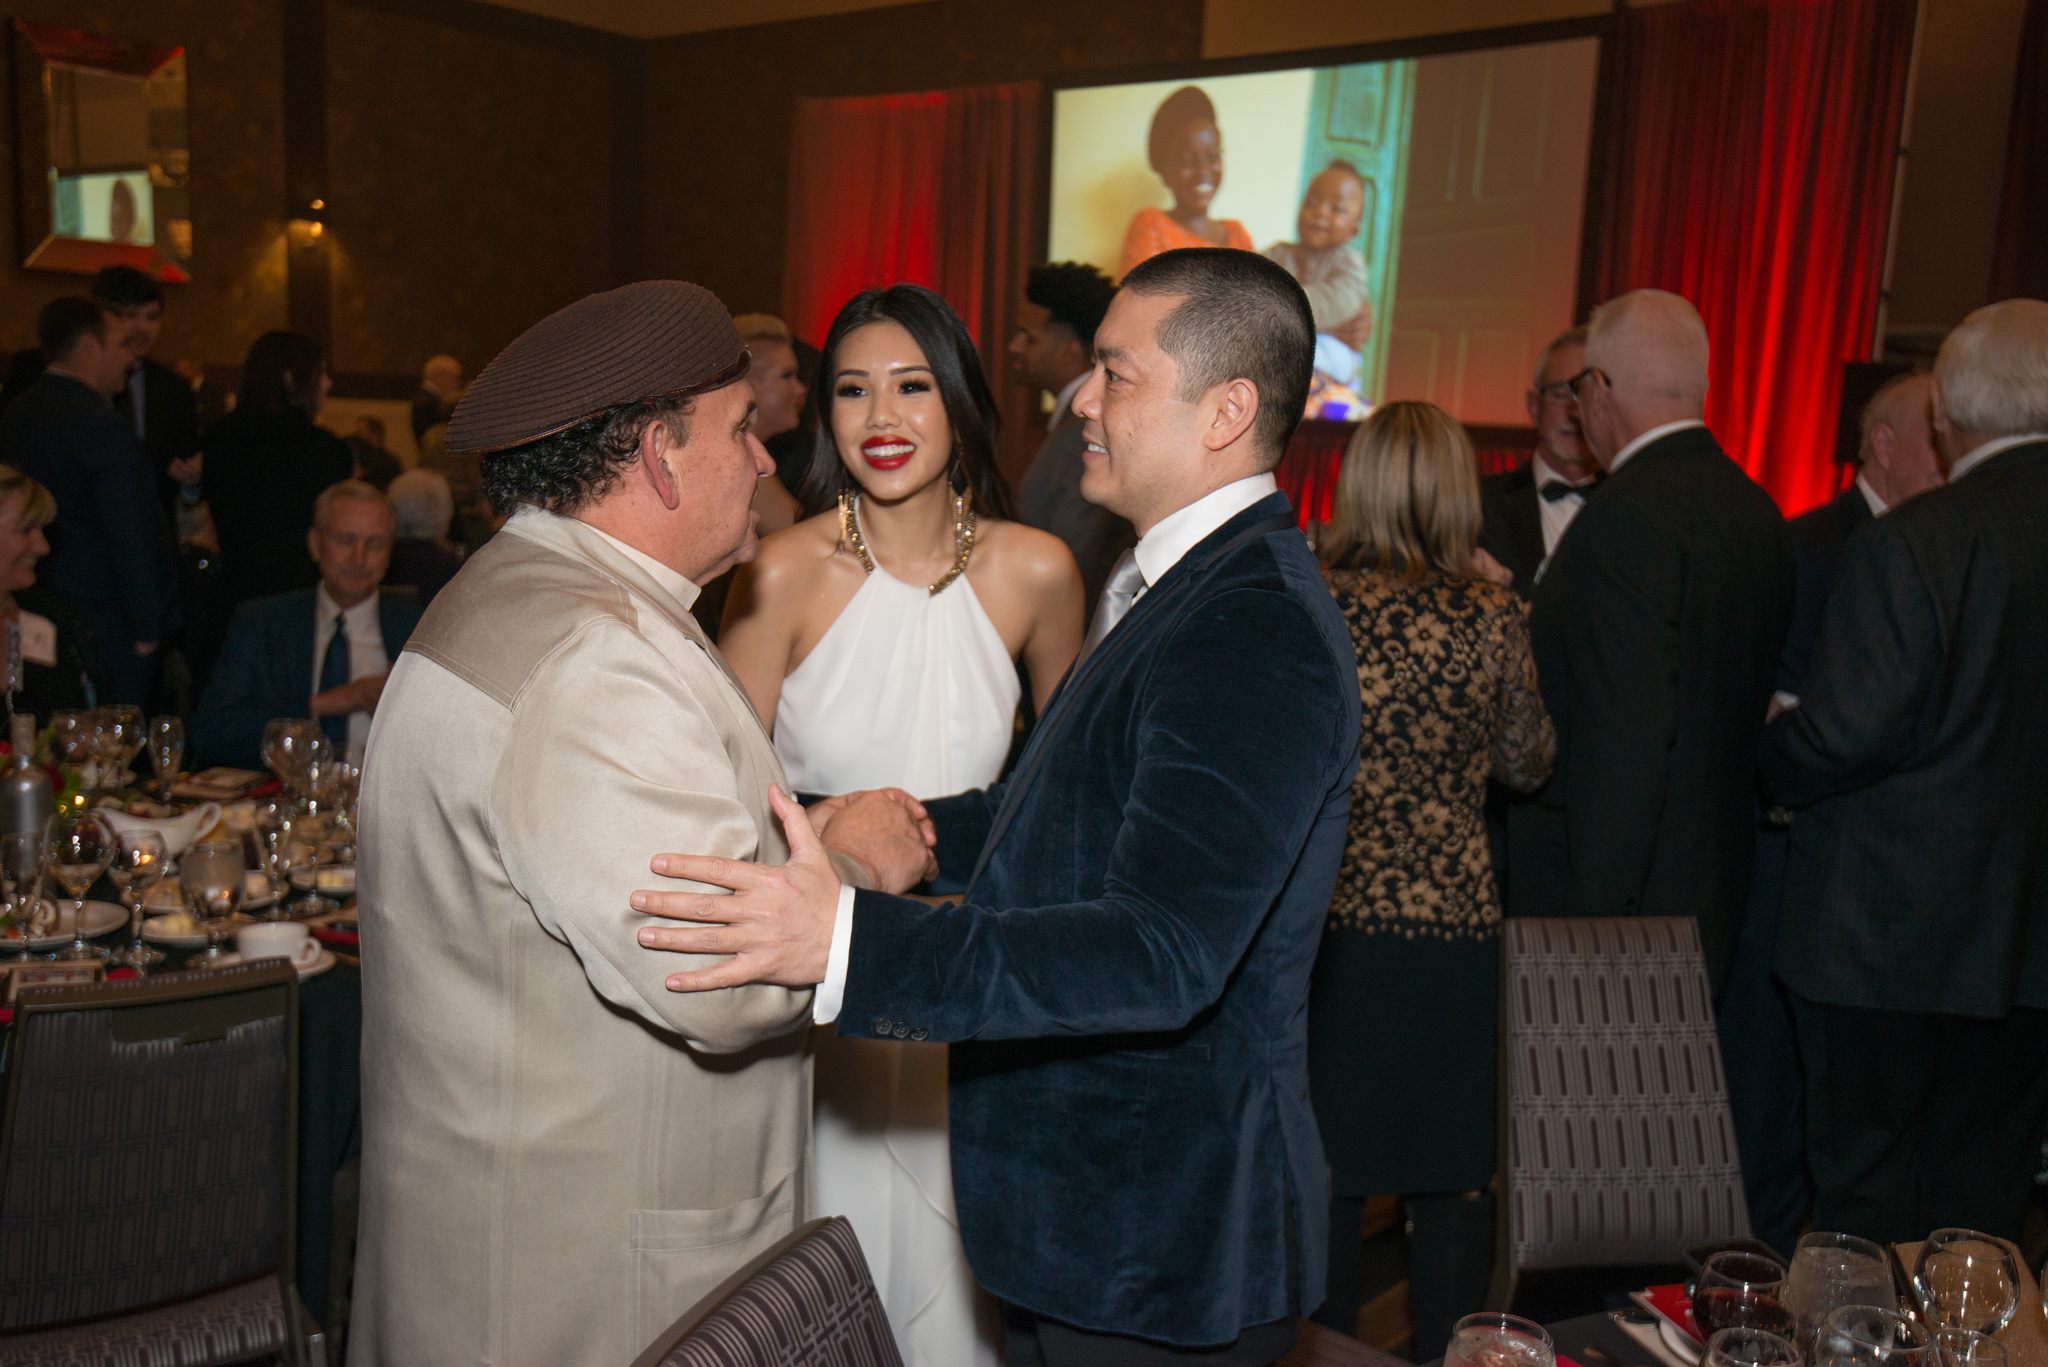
(912,690)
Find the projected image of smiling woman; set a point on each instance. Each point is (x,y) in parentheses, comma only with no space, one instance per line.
(1185,148)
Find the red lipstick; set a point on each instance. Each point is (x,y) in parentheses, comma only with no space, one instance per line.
(887,453)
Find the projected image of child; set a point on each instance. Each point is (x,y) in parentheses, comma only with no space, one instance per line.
(1330,269)
(1186,151)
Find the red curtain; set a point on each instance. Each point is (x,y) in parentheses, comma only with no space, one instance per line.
(937,189)
(1752,148)
(2020,266)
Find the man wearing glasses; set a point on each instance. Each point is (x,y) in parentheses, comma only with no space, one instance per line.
(1526,510)
(1656,628)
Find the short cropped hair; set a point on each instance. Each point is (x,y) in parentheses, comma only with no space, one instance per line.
(422,505)
(575,467)
(1992,371)
(1240,317)
(64,322)
(762,327)
(1407,495)
(124,287)
(1569,337)
(1073,295)
(347,490)
(1875,408)
(1184,107)
(38,504)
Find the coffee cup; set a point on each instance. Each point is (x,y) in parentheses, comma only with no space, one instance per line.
(278,940)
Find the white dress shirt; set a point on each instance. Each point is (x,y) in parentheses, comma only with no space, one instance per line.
(365,652)
(1628,452)
(1556,513)
(1979,454)
(1157,551)
(1878,507)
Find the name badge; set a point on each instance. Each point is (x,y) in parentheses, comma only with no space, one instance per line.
(38,640)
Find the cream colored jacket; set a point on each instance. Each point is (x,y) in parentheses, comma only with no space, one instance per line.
(559,1155)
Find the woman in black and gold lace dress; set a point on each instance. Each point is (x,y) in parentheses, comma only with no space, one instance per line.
(1402,1008)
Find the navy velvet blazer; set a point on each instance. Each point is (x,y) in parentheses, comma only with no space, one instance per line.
(1127,981)
(265,670)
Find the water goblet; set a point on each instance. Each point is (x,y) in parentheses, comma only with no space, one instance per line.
(137,865)
(1870,1336)
(1831,1270)
(121,735)
(1499,1340)
(166,750)
(1967,1348)
(23,856)
(1967,1280)
(1750,1348)
(74,735)
(212,873)
(81,846)
(1738,1290)
(285,740)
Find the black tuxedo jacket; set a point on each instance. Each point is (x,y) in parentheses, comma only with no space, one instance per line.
(1820,538)
(170,421)
(1917,878)
(1511,524)
(1126,986)
(1656,630)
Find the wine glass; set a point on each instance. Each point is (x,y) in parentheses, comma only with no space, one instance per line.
(74,734)
(23,856)
(1967,1280)
(1750,1348)
(1967,1348)
(1739,1290)
(1830,1270)
(277,844)
(81,846)
(1499,1340)
(212,873)
(1870,1336)
(284,747)
(137,865)
(121,735)
(167,750)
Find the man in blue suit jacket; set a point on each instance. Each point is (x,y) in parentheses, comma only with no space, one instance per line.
(322,652)
(1135,1162)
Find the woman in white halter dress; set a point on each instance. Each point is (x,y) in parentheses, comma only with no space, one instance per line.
(880,641)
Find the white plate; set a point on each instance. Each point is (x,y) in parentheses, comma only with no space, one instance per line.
(167,897)
(321,964)
(1677,1340)
(100,917)
(179,930)
(334,880)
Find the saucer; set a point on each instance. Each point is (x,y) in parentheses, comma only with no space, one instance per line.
(324,961)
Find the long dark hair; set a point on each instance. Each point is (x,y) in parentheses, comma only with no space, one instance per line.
(970,407)
(281,374)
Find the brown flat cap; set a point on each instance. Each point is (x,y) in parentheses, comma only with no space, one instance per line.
(657,339)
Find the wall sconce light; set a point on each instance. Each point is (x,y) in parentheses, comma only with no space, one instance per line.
(305,233)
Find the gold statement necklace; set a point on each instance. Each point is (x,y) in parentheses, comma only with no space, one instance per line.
(963,537)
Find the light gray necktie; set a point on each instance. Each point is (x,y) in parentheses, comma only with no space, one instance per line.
(1126,582)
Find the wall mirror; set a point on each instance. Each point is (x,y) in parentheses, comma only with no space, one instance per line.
(101,152)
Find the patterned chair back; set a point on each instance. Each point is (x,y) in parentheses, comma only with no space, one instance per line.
(149,1146)
(808,1299)
(1618,1143)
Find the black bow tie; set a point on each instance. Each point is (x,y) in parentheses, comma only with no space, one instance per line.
(1555,489)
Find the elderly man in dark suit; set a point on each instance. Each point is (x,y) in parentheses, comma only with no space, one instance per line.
(1896,460)
(1656,630)
(1915,939)
(1525,511)
(1135,1163)
(322,652)
(107,542)
(1051,349)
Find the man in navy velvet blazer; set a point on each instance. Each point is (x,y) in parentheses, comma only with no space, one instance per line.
(1135,1163)
(278,647)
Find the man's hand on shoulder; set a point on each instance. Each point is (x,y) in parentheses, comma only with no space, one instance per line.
(884,830)
(775,927)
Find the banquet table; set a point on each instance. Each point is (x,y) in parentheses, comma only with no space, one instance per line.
(330,1105)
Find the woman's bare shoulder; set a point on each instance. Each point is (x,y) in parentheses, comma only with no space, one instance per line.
(1025,554)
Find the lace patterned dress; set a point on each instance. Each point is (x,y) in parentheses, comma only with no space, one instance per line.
(1402,1006)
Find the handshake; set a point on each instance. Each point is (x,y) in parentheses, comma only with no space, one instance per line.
(883,830)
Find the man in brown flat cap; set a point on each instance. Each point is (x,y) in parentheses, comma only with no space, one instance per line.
(560,1156)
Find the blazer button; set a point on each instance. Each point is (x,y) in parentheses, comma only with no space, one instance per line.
(920,1033)
(901,1031)
(883,1025)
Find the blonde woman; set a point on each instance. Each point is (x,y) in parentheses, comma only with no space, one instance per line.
(61,665)
(1401,1007)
